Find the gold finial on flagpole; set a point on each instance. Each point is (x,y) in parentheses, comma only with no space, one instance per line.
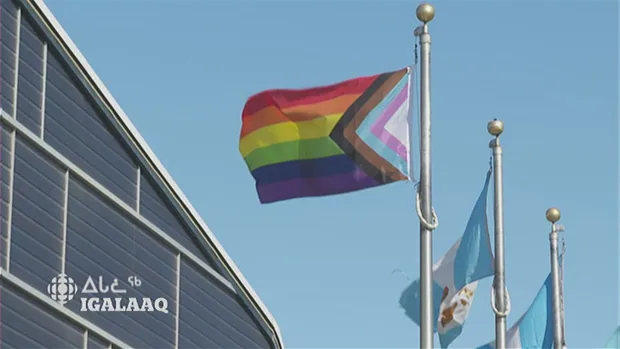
(495,127)
(425,13)
(553,215)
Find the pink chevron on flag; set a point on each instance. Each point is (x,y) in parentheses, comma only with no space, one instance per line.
(382,132)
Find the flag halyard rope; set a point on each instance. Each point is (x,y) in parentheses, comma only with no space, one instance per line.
(434,219)
(506,303)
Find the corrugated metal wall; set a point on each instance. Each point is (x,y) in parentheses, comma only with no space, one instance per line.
(75,200)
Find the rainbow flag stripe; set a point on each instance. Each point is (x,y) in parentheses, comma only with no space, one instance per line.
(328,140)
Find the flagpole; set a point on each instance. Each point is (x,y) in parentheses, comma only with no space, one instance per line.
(425,13)
(495,128)
(562,313)
(553,215)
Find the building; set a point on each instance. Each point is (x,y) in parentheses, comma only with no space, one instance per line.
(83,196)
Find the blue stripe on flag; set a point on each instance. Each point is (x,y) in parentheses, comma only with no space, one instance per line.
(386,152)
(614,341)
(410,302)
(474,259)
(376,112)
(447,338)
(536,326)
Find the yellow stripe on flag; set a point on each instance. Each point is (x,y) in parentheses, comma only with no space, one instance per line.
(288,132)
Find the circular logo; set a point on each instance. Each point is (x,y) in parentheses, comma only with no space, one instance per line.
(62,289)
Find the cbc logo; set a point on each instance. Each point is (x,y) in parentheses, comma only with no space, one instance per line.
(62,289)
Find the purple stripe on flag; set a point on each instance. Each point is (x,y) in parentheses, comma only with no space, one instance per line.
(378,129)
(322,186)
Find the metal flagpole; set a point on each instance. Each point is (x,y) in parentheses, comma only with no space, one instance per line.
(500,299)
(425,14)
(553,215)
(562,256)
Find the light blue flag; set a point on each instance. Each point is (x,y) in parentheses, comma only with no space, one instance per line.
(535,328)
(614,340)
(456,275)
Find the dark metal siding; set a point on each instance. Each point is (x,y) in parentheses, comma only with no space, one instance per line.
(77,130)
(30,76)
(8,33)
(211,316)
(80,132)
(37,220)
(102,241)
(154,208)
(95,342)
(27,324)
(5,168)
(101,238)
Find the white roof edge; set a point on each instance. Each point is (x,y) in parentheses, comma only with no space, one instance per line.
(158,165)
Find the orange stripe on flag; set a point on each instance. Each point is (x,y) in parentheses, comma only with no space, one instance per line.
(272,115)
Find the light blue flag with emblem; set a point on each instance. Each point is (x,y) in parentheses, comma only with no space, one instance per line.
(614,340)
(456,276)
(534,330)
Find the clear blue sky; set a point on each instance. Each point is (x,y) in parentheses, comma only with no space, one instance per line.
(182,71)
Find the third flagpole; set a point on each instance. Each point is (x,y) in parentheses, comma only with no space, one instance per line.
(553,216)
(495,128)
(425,13)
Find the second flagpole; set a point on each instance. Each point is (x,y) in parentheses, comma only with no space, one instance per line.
(500,301)
(425,13)
(553,216)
